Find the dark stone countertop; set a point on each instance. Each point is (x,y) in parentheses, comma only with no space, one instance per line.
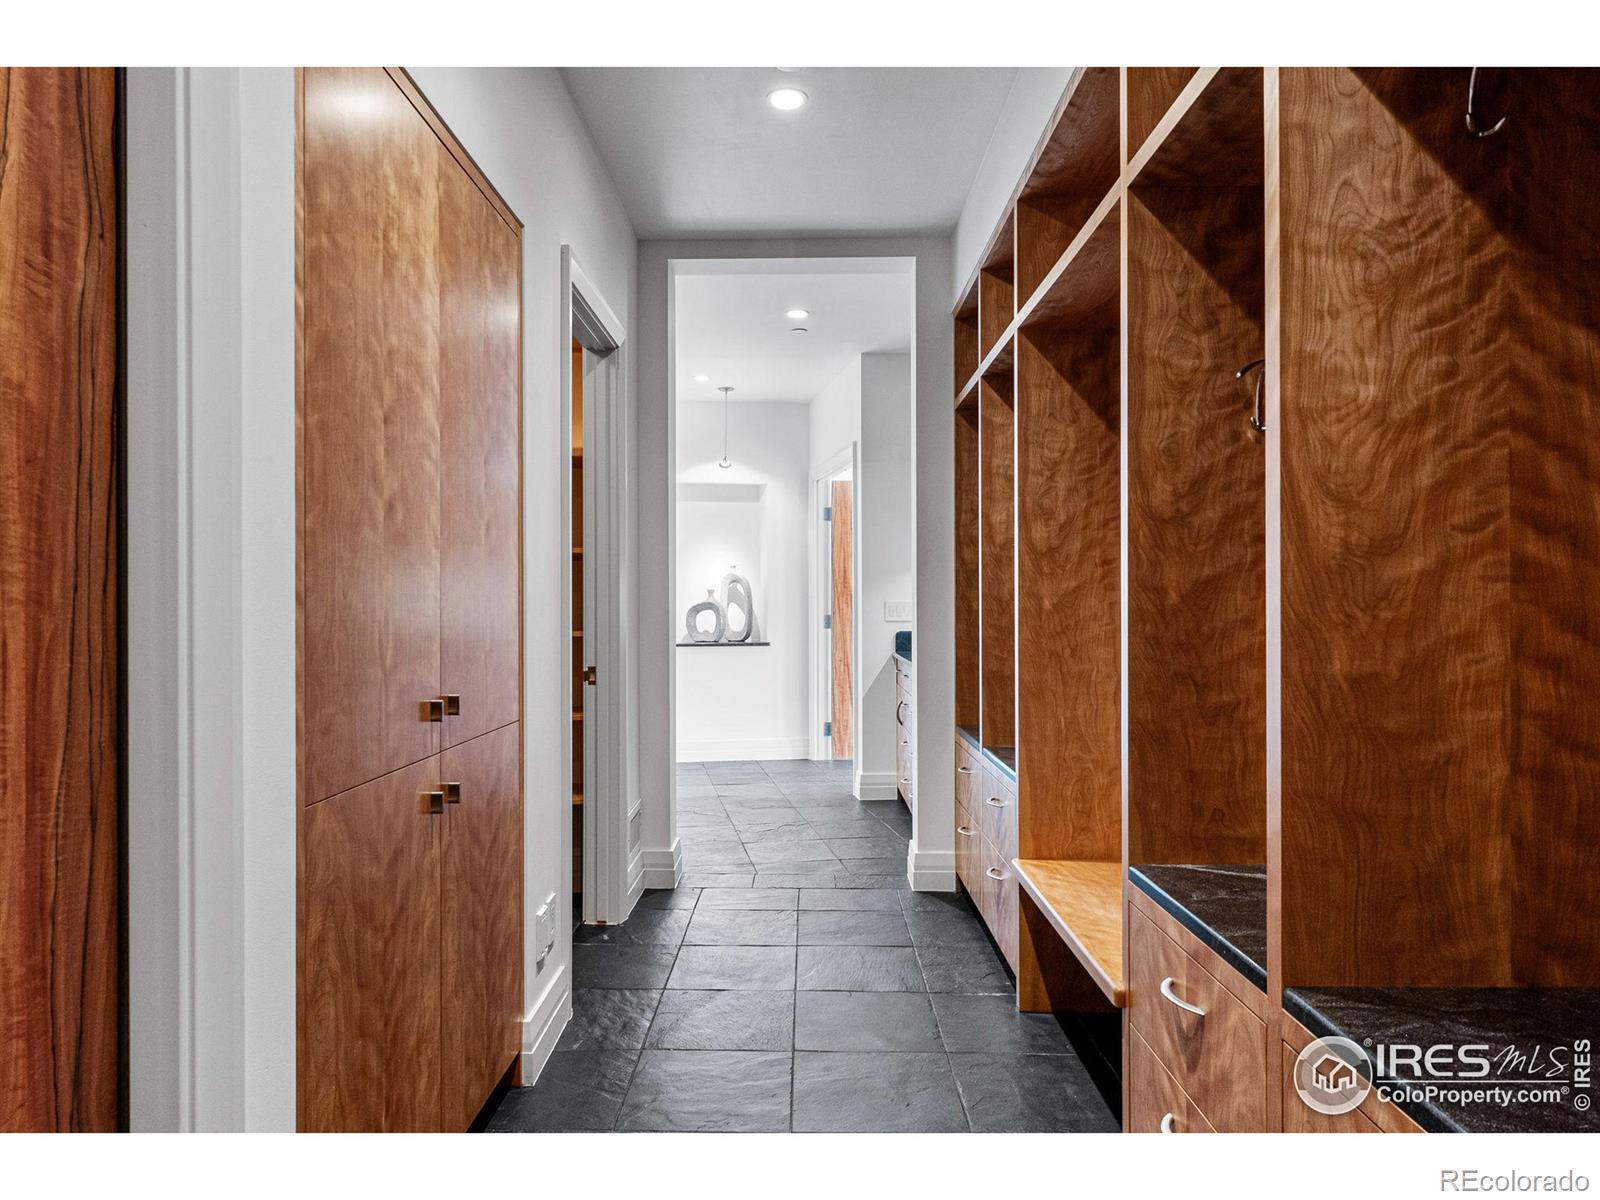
(902,644)
(1224,906)
(1527,1020)
(970,732)
(1004,757)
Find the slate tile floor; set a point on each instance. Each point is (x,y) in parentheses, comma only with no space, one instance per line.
(794,983)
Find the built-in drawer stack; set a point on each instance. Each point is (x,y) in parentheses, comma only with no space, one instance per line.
(904,775)
(986,843)
(1197,1033)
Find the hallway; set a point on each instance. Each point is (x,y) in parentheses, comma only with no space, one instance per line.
(794,983)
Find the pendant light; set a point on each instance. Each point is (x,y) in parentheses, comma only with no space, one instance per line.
(726,461)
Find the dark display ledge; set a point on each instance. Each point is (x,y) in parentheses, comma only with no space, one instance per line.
(1224,906)
(1541,1024)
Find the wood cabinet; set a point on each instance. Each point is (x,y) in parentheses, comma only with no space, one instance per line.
(409,650)
(61,685)
(905,727)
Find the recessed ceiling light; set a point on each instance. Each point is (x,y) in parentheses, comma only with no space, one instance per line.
(702,379)
(797,314)
(786,99)
(799,329)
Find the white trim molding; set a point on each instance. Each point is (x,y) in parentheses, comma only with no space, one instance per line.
(877,785)
(930,870)
(661,868)
(542,1028)
(746,750)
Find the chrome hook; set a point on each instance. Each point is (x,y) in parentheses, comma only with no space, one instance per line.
(1472,120)
(1258,419)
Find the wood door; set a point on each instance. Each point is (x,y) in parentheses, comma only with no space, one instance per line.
(369,957)
(60,1059)
(480,312)
(843,616)
(369,336)
(481,964)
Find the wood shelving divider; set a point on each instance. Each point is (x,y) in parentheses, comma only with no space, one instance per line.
(1403,702)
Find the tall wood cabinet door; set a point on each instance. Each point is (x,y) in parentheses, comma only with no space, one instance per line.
(368,431)
(480,397)
(369,1003)
(59,678)
(482,919)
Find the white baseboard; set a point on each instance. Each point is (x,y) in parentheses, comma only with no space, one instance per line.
(876,785)
(543,1027)
(635,882)
(743,750)
(661,868)
(931,870)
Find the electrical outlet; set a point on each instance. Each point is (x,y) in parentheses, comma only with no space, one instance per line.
(544,926)
(897,612)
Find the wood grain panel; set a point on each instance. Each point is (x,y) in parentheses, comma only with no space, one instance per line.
(368,295)
(60,946)
(997,515)
(1196,533)
(1156,1103)
(1298,1117)
(1083,903)
(1553,242)
(966,338)
(1214,139)
(369,958)
(843,616)
(996,303)
(1151,91)
(481,921)
(1396,535)
(1068,610)
(1219,1058)
(480,456)
(1081,154)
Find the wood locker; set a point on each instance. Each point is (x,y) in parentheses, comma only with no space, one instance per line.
(410,627)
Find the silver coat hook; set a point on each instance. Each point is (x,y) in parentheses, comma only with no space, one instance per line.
(1472,120)
(1258,419)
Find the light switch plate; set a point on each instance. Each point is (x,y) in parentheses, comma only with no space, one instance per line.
(544,926)
(897,612)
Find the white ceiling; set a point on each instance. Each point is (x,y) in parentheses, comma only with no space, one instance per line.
(697,151)
(730,324)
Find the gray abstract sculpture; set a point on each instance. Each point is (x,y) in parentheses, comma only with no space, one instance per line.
(691,621)
(736,595)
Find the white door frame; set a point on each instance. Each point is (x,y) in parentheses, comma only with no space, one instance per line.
(821,596)
(610,880)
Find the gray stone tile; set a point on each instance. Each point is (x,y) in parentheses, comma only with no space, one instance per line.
(848,827)
(964,967)
(785,877)
(895,883)
(609,1018)
(704,820)
(901,1021)
(696,1020)
(792,830)
(877,866)
(741,927)
(945,902)
(720,857)
(948,927)
(859,969)
(856,900)
(1036,1093)
(739,968)
(621,966)
(748,897)
(714,879)
(708,1091)
(853,929)
(849,849)
(876,1093)
(644,927)
(750,794)
(678,897)
(771,853)
(992,1024)
(578,1090)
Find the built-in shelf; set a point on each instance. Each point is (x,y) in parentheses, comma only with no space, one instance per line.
(1210,137)
(1083,903)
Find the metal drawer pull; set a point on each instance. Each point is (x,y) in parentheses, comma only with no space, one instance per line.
(963,831)
(433,802)
(995,873)
(963,770)
(1166,1124)
(1166,990)
(452,704)
(432,711)
(452,793)
(995,802)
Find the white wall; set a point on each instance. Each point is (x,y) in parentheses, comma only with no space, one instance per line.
(1035,94)
(211,557)
(836,416)
(522,128)
(743,702)
(888,560)
(931,858)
